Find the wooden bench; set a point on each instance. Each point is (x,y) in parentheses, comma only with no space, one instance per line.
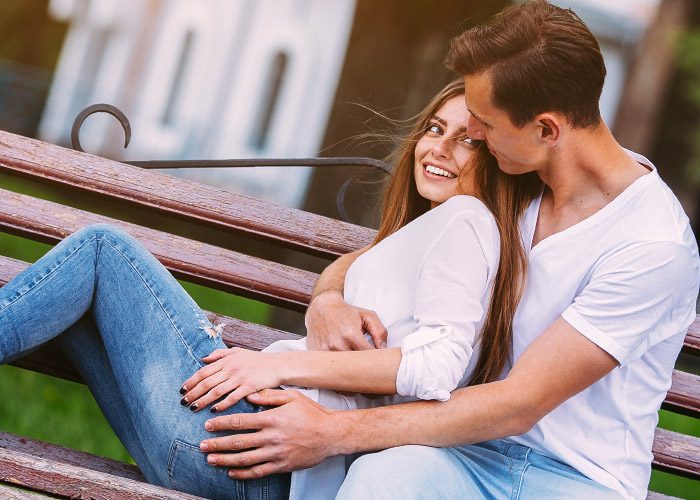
(51,469)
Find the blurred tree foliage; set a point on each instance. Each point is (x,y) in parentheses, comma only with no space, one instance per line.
(688,51)
(29,35)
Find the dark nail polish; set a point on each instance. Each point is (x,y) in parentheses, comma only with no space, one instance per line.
(214,409)
(184,402)
(194,407)
(183,389)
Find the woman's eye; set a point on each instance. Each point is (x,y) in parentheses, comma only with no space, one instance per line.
(471,142)
(434,128)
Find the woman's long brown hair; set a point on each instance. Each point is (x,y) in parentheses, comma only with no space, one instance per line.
(505,195)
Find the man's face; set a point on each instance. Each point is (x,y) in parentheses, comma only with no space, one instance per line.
(517,150)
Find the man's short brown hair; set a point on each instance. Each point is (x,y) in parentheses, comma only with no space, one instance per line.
(540,58)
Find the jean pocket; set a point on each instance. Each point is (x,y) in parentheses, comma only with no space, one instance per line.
(189,472)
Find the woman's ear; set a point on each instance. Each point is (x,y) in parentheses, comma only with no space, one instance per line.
(550,127)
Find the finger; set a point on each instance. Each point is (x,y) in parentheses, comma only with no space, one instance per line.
(233,442)
(225,386)
(247,458)
(199,375)
(215,355)
(257,471)
(273,397)
(233,398)
(357,342)
(205,386)
(238,421)
(373,325)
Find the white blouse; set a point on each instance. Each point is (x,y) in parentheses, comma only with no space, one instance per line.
(430,283)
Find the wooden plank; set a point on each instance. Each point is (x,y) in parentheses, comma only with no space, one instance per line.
(237,333)
(692,338)
(188,259)
(676,453)
(67,456)
(59,478)
(179,197)
(13,493)
(684,394)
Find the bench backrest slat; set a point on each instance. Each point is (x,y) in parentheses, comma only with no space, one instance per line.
(185,258)
(179,197)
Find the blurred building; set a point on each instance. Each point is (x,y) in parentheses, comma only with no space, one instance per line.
(203,79)
(214,79)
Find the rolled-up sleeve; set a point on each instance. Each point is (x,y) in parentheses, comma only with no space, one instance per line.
(454,278)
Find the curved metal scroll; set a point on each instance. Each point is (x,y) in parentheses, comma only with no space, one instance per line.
(99,108)
(230,163)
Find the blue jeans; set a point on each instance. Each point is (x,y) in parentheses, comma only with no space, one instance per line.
(494,469)
(135,336)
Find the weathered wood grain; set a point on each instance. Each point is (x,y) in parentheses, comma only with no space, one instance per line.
(179,197)
(188,259)
(677,453)
(66,455)
(68,480)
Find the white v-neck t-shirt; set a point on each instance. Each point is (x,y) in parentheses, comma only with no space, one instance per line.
(430,283)
(627,279)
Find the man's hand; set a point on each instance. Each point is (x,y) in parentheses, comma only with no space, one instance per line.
(334,325)
(295,435)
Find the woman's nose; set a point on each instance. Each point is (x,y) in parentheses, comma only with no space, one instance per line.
(441,147)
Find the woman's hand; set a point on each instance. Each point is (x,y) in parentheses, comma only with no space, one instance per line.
(236,372)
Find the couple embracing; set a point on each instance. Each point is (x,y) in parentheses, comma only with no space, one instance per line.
(511,331)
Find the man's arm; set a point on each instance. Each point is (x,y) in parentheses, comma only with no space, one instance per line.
(331,323)
(300,433)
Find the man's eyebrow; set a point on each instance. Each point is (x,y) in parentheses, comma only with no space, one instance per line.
(476,116)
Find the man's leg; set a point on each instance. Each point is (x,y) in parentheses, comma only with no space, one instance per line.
(153,336)
(423,472)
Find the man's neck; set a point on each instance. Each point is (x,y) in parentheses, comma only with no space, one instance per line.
(586,172)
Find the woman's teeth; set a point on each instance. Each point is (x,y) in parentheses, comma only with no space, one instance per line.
(438,171)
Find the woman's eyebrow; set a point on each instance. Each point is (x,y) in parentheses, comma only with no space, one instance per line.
(444,124)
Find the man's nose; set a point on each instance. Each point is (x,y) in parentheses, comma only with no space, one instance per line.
(474,129)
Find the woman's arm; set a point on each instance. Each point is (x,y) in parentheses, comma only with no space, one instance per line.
(235,373)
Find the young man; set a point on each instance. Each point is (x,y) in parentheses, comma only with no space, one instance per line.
(613,276)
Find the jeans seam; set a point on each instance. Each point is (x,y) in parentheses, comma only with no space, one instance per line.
(522,475)
(157,298)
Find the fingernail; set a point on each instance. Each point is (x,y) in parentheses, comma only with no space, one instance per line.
(211,459)
(214,409)
(184,402)
(183,389)
(204,446)
(194,407)
(208,425)
(231,474)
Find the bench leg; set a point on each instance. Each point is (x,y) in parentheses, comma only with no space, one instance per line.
(151,336)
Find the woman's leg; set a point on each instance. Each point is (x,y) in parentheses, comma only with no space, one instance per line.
(153,336)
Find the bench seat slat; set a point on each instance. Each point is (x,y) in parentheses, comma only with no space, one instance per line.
(179,197)
(684,394)
(65,479)
(66,455)
(677,453)
(192,260)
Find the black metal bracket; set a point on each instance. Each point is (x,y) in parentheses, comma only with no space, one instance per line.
(230,163)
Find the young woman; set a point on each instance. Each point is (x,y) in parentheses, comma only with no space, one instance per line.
(135,335)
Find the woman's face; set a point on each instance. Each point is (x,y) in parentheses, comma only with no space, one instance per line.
(443,152)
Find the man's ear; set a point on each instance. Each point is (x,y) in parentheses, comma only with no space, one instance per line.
(550,127)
